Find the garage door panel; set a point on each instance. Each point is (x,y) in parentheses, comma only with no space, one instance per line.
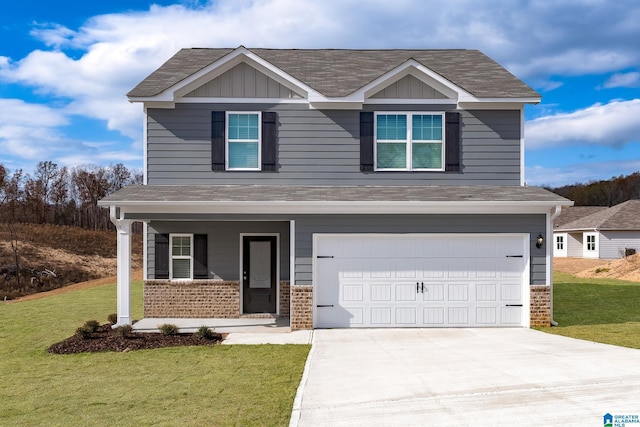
(458,292)
(405,292)
(486,292)
(381,293)
(433,292)
(383,281)
(458,316)
(406,316)
(433,316)
(486,316)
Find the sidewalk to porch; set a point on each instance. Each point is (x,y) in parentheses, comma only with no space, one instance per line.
(270,330)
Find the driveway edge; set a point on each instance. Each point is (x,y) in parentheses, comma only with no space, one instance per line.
(297,401)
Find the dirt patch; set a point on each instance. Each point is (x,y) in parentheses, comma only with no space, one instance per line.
(623,269)
(135,275)
(107,339)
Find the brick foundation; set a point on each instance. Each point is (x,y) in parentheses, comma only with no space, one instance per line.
(540,305)
(285,299)
(301,307)
(200,299)
(193,299)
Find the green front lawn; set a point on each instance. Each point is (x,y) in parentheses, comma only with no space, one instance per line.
(220,385)
(601,310)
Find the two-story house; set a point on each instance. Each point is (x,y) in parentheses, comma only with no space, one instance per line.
(342,188)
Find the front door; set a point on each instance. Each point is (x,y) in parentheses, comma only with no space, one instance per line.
(259,267)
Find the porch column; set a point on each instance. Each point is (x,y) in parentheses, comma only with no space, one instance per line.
(123,227)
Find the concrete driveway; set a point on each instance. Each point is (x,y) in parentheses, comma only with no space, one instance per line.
(411,377)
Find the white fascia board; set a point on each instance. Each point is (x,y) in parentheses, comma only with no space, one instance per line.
(496,103)
(288,207)
(213,70)
(419,71)
(210,100)
(411,101)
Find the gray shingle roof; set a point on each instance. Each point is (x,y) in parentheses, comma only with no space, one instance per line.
(574,213)
(339,72)
(280,193)
(625,216)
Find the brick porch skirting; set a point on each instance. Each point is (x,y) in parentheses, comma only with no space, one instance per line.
(301,307)
(540,305)
(200,299)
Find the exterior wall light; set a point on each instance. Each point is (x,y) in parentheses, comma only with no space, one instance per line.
(539,241)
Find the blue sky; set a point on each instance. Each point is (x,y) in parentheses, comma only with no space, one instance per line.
(65,67)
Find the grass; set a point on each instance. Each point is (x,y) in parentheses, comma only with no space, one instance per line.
(600,310)
(220,385)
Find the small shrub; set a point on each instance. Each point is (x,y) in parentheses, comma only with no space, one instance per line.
(84,332)
(123,331)
(168,329)
(91,325)
(602,270)
(112,318)
(205,333)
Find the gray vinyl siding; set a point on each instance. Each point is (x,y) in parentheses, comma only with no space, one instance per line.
(322,147)
(224,236)
(613,243)
(223,244)
(306,226)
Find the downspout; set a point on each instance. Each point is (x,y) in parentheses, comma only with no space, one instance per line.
(554,215)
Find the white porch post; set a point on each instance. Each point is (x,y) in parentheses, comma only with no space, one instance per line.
(123,227)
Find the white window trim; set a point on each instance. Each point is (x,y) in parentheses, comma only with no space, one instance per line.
(560,252)
(591,253)
(226,141)
(409,141)
(172,257)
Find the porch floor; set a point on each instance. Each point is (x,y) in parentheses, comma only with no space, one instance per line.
(272,330)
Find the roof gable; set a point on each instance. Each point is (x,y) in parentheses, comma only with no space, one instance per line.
(408,87)
(332,75)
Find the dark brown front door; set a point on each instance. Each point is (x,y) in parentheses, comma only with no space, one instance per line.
(259,264)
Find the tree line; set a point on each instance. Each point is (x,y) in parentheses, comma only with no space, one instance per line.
(61,195)
(602,193)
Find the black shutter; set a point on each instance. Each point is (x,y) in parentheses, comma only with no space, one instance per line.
(366,141)
(269,140)
(161,256)
(200,269)
(217,140)
(452,142)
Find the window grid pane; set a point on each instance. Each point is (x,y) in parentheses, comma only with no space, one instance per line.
(391,127)
(243,127)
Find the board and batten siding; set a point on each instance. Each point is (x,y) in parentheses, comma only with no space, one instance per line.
(613,243)
(322,147)
(223,246)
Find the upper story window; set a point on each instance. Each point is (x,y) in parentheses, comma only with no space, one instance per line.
(243,141)
(409,141)
(181,266)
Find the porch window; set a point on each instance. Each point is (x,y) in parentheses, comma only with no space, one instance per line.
(243,141)
(409,141)
(181,256)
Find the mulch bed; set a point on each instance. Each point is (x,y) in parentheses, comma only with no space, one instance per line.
(106,339)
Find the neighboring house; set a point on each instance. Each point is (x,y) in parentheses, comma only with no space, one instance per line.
(342,188)
(605,233)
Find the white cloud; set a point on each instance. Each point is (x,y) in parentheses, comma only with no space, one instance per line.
(630,79)
(613,124)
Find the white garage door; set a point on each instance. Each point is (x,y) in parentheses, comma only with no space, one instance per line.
(385,280)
